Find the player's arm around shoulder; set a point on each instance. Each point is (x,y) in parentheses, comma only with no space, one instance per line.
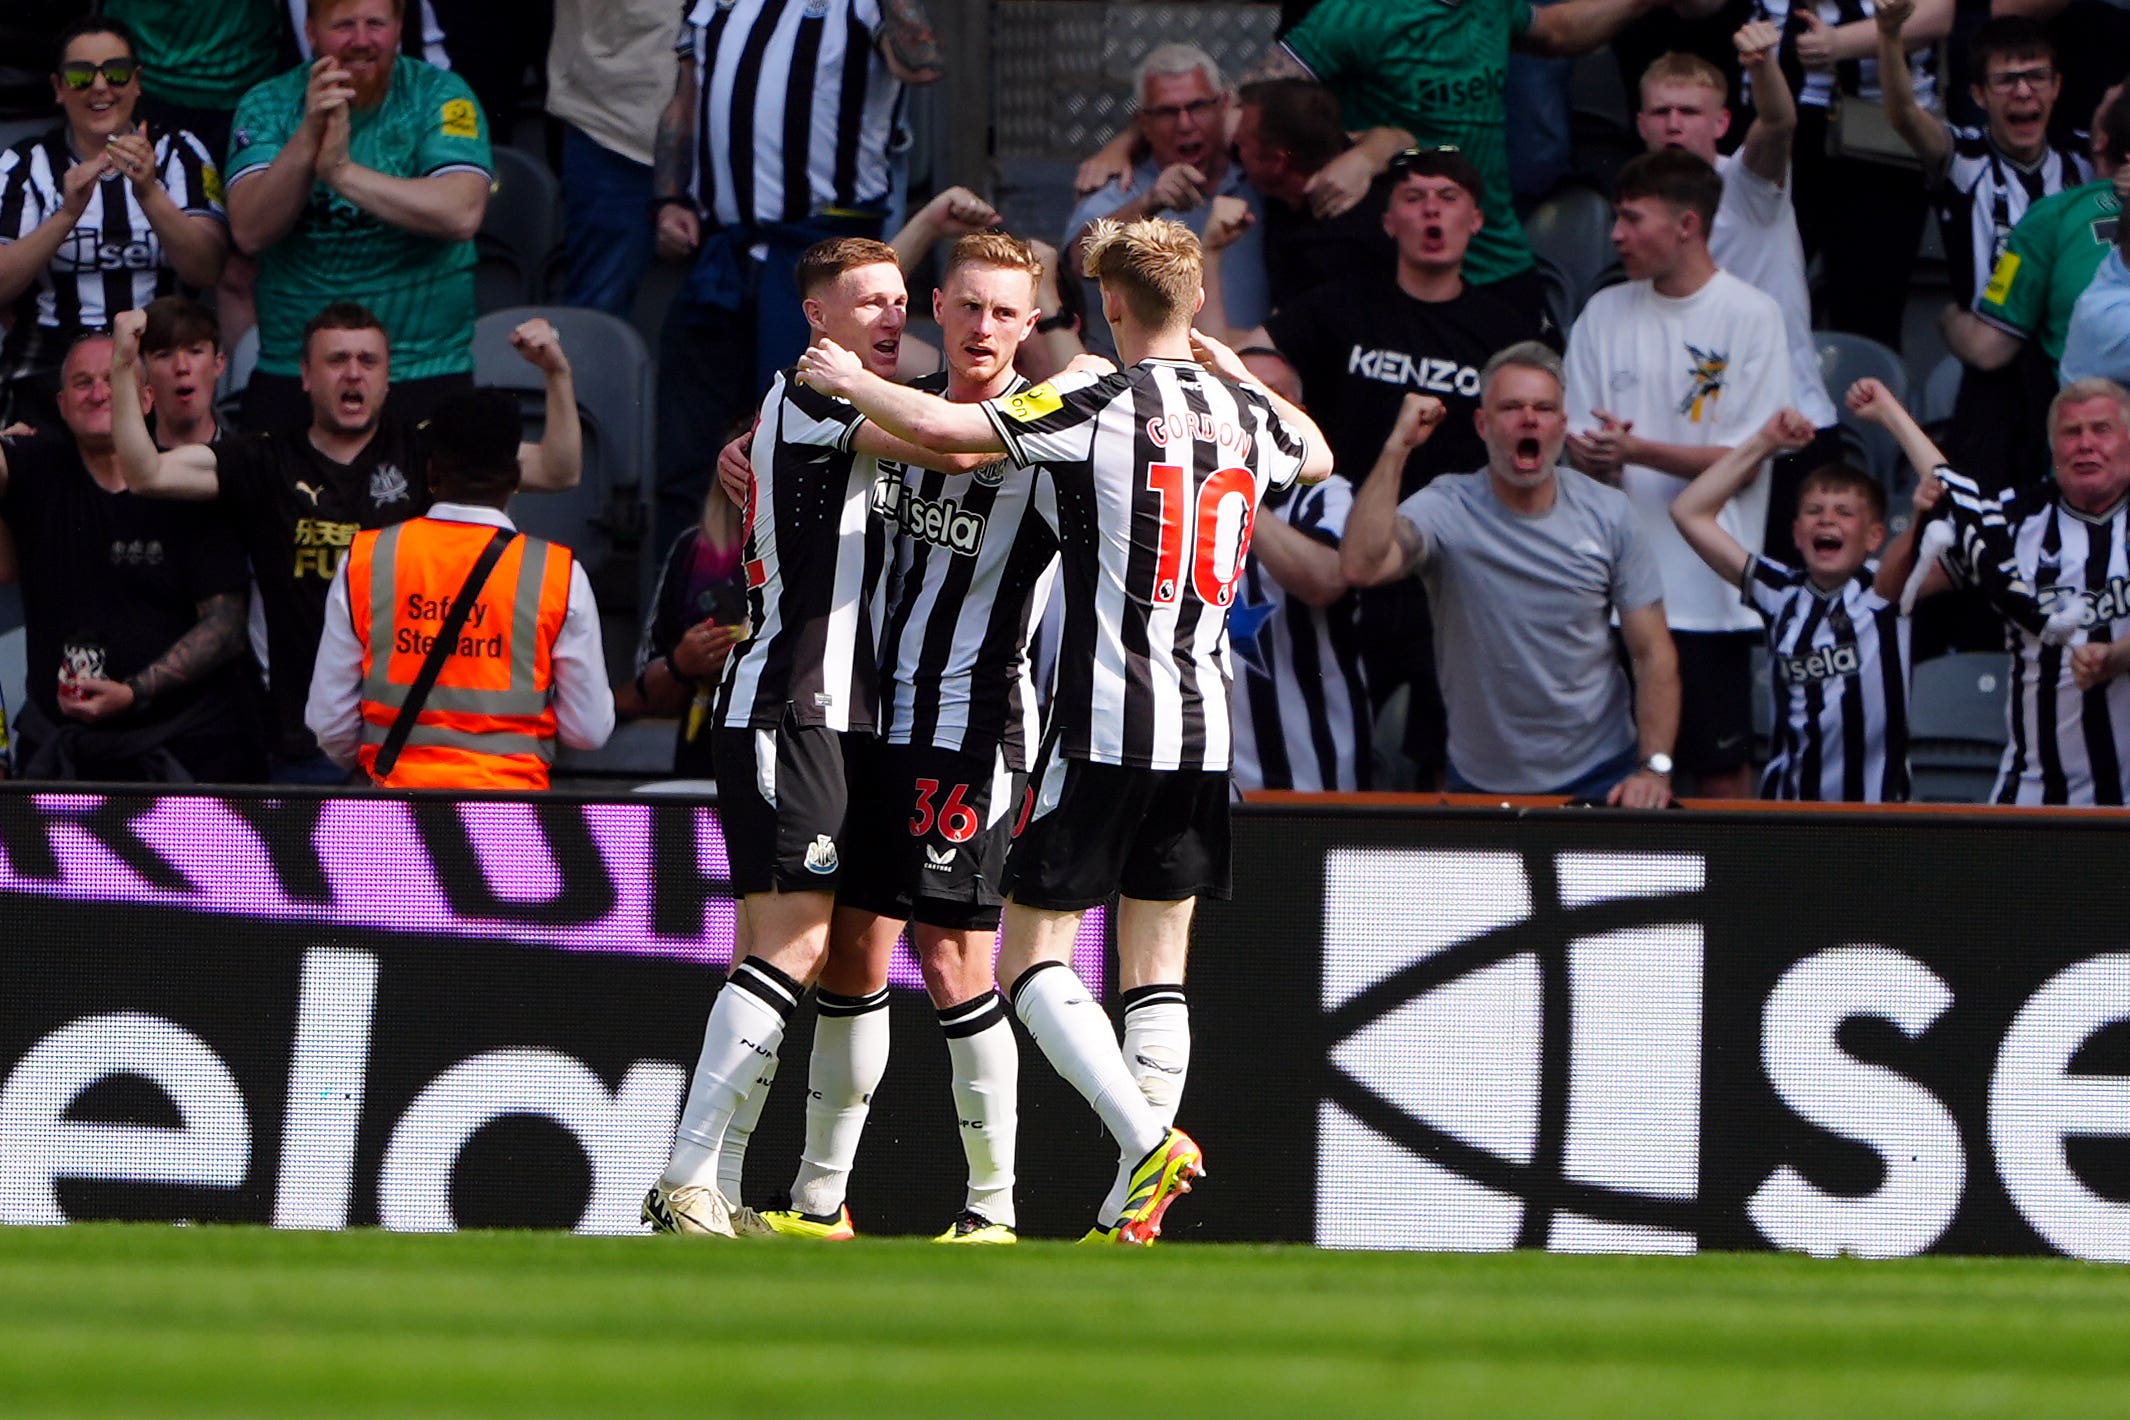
(912,415)
(1315,450)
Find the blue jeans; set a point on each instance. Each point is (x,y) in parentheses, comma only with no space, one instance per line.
(733,326)
(1540,119)
(607,236)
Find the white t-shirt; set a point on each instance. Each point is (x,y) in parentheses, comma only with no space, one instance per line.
(1706,369)
(1755,239)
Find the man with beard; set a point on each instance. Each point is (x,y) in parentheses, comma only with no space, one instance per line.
(1526,565)
(361,177)
(299,497)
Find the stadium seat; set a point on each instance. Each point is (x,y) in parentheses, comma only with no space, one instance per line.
(640,749)
(1956,727)
(518,234)
(1845,359)
(690,788)
(1561,305)
(1940,392)
(243,359)
(14,130)
(1572,229)
(612,369)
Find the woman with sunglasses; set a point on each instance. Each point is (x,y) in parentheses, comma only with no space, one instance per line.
(97,216)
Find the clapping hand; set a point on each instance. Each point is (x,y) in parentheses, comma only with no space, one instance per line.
(133,157)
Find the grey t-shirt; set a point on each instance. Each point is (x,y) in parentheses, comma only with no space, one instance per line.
(1523,608)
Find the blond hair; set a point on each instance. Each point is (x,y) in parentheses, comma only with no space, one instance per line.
(1000,249)
(1677,68)
(1154,264)
(2091,387)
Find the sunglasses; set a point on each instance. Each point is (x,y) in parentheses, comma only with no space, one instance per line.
(79,74)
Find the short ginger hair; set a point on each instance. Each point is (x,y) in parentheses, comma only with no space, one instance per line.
(821,263)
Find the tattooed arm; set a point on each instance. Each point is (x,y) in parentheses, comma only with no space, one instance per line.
(218,636)
(673,168)
(908,44)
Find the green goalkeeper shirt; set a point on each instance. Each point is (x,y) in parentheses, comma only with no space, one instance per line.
(1436,70)
(421,287)
(2052,255)
(202,53)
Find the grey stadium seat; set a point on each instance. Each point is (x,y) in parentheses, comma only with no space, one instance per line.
(612,370)
(1956,730)
(1572,229)
(1845,359)
(518,234)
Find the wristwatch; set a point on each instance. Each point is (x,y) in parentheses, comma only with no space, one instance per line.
(1658,764)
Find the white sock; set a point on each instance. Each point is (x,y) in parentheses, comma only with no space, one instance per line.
(850,1056)
(1157,1045)
(1076,1037)
(746,1023)
(732,1158)
(987,1073)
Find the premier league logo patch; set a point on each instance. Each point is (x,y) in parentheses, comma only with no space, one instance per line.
(388,484)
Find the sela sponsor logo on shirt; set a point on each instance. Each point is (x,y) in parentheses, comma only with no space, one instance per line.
(1422,372)
(2109,603)
(81,251)
(1820,663)
(941,522)
(388,484)
(1704,372)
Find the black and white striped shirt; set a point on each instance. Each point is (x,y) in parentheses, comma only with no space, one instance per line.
(974,558)
(1983,196)
(1838,664)
(813,559)
(795,107)
(113,260)
(1301,703)
(2067,746)
(1158,469)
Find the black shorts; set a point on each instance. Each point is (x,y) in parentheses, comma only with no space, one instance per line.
(1090,831)
(927,836)
(1715,699)
(782,796)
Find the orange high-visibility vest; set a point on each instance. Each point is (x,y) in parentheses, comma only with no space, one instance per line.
(487,722)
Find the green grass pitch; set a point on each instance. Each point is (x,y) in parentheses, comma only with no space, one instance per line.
(149,1320)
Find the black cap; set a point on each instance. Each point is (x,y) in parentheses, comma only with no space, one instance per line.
(477,432)
(1445,161)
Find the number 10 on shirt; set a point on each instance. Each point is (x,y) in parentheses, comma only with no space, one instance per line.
(1218,533)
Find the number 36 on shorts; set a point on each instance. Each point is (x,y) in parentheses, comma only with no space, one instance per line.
(956,821)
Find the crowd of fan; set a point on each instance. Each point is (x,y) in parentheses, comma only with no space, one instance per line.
(1658,494)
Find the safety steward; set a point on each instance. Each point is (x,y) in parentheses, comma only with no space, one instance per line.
(458,651)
